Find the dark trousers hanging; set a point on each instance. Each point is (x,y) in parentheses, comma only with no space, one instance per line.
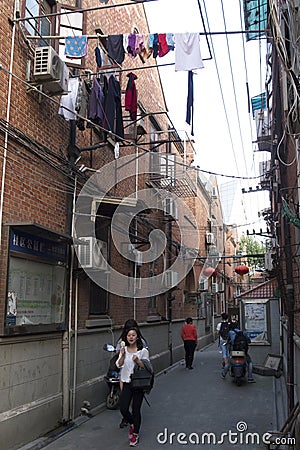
(190,102)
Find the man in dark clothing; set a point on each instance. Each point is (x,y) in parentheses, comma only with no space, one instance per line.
(234,335)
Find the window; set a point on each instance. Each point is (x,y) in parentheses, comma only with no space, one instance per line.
(98,300)
(39,26)
(72,24)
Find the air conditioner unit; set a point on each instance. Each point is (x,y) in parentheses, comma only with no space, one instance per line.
(210,238)
(203,285)
(50,70)
(92,253)
(214,288)
(170,207)
(171,279)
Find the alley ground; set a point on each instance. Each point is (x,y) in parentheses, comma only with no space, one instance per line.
(192,402)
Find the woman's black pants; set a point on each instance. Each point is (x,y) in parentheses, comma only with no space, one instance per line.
(134,417)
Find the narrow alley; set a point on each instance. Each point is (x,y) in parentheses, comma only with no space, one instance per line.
(187,408)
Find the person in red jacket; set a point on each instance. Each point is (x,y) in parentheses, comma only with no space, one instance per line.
(189,337)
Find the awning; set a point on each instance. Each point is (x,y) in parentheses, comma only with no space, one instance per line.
(106,206)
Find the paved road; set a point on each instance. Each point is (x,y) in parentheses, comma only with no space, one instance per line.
(192,402)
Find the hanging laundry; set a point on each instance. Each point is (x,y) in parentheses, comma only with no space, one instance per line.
(153,44)
(170,41)
(113,120)
(125,42)
(187,51)
(115,48)
(117,150)
(163,47)
(76,46)
(190,102)
(131,45)
(131,96)
(68,102)
(96,105)
(98,57)
(139,43)
(83,103)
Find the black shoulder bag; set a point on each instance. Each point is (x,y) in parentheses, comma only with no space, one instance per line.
(142,379)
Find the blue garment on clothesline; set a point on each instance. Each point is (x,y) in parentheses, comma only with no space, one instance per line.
(76,46)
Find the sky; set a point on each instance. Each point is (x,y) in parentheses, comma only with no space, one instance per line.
(223,128)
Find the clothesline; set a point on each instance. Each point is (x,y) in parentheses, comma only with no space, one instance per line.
(97,36)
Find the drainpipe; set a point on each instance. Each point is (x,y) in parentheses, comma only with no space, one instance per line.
(8,107)
(170,296)
(67,337)
(290,312)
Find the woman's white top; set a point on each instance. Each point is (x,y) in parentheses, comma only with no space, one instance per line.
(128,366)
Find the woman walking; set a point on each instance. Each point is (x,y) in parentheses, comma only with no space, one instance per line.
(131,354)
(189,337)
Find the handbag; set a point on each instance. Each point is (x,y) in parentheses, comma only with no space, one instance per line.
(142,379)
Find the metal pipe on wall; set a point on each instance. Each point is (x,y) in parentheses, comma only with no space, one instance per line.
(8,107)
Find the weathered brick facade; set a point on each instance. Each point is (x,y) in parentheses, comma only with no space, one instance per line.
(38,176)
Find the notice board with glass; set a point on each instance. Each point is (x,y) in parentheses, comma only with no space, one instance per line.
(36,288)
(255,314)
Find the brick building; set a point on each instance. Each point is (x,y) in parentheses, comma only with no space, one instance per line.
(63,178)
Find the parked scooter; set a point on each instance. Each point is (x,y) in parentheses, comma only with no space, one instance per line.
(112,379)
(238,366)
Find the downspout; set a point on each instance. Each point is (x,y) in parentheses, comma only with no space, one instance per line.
(8,107)
(67,408)
(136,231)
(75,349)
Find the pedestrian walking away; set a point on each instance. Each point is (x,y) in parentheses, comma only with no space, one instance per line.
(190,339)
(223,328)
(131,354)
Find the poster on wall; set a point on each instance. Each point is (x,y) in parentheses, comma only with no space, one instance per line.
(35,293)
(255,314)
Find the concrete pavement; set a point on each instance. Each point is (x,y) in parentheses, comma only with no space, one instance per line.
(191,402)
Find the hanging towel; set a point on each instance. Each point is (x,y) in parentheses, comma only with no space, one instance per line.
(190,102)
(76,46)
(68,102)
(187,51)
(131,96)
(115,48)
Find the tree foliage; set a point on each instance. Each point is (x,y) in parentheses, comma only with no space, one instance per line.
(250,246)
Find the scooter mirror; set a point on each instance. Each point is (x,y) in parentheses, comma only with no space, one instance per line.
(109,347)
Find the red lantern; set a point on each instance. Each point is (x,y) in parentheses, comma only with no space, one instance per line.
(209,271)
(242,270)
